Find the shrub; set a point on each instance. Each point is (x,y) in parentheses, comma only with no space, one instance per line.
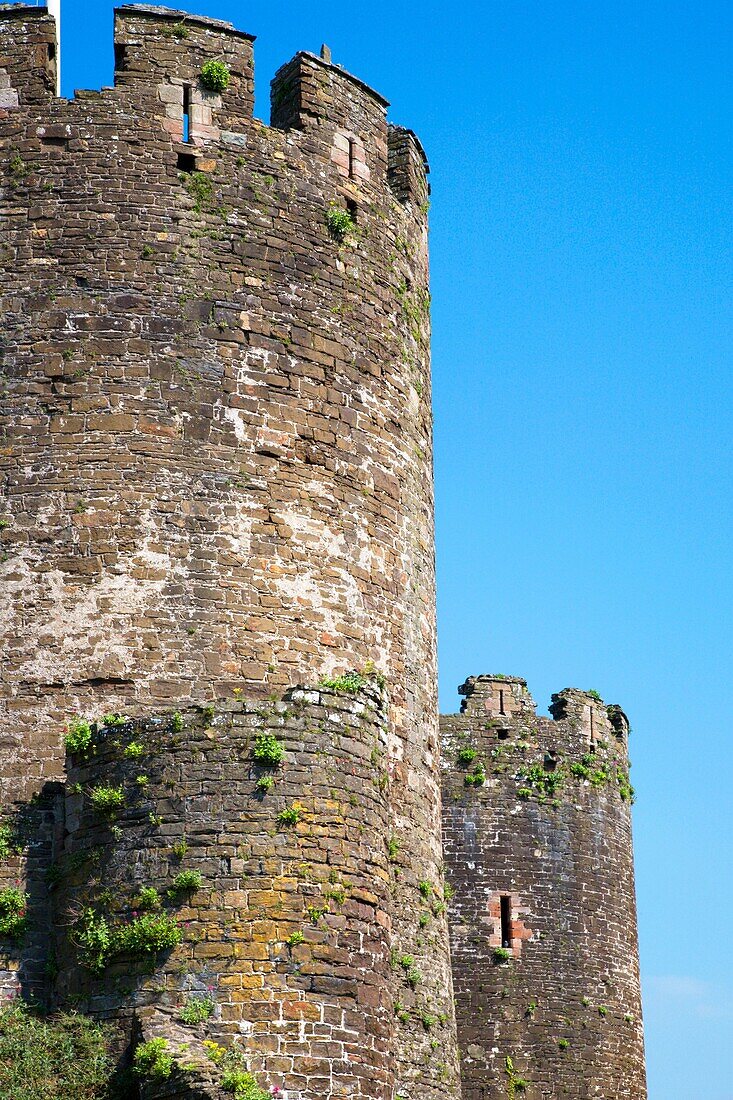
(243,1086)
(78,737)
(186,882)
(340,224)
(153,1060)
(197,1009)
(146,935)
(107,799)
(268,750)
(13,908)
(94,940)
(52,1057)
(215,76)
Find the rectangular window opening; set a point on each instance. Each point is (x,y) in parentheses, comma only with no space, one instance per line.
(352,159)
(186,162)
(186,112)
(120,57)
(502,734)
(353,209)
(501,701)
(506,921)
(51,51)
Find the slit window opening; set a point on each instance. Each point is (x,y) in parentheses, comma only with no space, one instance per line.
(352,158)
(186,113)
(506,921)
(501,701)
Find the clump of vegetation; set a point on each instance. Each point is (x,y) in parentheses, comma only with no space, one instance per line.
(215,76)
(107,799)
(9,844)
(501,954)
(350,682)
(134,750)
(180,848)
(186,882)
(515,1083)
(177,722)
(268,750)
(291,815)
(466,756)
(477,777)
(50,1057)
(235,1078)
(265,783)
(149,934)
(115,720)
(594,695)
(13,910)
(148,899)
(544,783)
(200,188)
(393,847)
(153,1060)
(295,938)
(425,888)
(340,223)
(78,737)
(197,1009)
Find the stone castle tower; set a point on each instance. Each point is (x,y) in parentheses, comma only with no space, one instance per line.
(217,585)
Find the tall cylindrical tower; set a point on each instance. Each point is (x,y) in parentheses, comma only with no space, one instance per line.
(215,461)
(537,833)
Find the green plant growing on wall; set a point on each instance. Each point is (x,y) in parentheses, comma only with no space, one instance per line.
(425,888)
(563,1044)
(515,1083)
(78,737)
(466,756)
(186,882)
(291,815)
(340,224)
(265,783)
(145,935)
(13,913)
(134,750)
(268,751)
(148,899)
(349,683)
(294,939)
(393,847)
(153,1060)
(501,954)
(197,1010)
(177,722)
(477,777)
(107,800)
(9,843)
(215,76)
(115,720)
(180,848)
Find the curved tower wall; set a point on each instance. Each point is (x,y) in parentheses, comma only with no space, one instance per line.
(543,923)
(215,449)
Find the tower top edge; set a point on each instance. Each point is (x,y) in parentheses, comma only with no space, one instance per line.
(175,15)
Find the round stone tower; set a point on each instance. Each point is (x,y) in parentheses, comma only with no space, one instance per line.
(216,483)
(537,834)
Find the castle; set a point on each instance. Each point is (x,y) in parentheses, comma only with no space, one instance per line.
(221,763)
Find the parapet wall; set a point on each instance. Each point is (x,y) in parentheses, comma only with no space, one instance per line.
(537,835)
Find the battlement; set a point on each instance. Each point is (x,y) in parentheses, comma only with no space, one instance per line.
(160,54)
(505,701)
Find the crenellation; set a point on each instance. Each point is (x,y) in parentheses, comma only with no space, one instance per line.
(28,57)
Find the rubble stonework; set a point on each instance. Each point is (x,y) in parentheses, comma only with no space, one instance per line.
(216,484)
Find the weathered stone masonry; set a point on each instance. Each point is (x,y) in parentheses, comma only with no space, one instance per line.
(216,484)
(552,981)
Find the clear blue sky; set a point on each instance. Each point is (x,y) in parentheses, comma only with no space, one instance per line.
(581,239)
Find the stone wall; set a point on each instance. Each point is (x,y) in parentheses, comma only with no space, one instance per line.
(215,425)
(537,834)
